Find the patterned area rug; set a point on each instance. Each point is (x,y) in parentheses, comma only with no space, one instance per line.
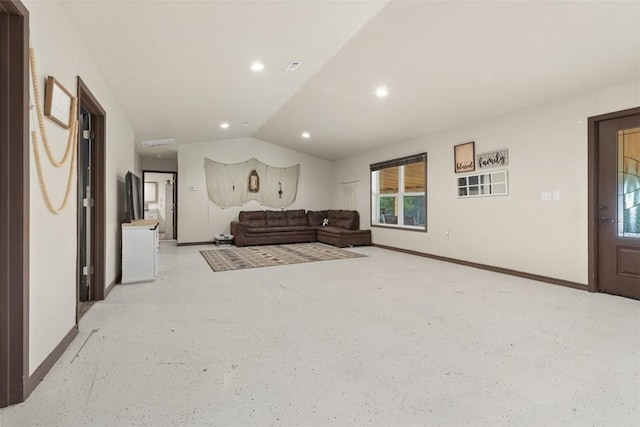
(266,256)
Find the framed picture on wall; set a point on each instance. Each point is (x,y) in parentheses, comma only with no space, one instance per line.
(57,102)
(254,182)
(492,159)
(465,157)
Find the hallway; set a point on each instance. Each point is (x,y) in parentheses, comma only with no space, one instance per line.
(388,339)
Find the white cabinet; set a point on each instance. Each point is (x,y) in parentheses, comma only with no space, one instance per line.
(140,251)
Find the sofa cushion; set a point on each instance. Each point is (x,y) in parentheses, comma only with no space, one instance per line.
(341,238)
(253,218)
(296,217)
(341,231)
(348,220)
(276,218)
(315,217)
(289,228)
(346,223)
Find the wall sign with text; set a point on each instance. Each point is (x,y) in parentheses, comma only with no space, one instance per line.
(493,159)
(464,157)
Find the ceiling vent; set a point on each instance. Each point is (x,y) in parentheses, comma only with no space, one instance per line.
(158,142)
(293,65)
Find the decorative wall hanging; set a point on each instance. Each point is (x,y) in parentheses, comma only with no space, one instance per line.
(493,159)
(464,155)
(349,192)
(72,142)
(233,184)
(494,183)
(254,182)
(57,102)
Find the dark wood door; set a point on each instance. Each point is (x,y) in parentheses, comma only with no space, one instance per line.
(14,202)
(618,209)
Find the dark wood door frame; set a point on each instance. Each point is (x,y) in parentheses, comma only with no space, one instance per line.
(14,208)
(87,100)
(594,125)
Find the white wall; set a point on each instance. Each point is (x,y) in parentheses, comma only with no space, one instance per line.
(547,152)
(52,270)
(199,219)
(155,164)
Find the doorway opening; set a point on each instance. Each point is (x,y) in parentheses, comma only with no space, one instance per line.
(85,201)
(614,203)
(160,194)
(90,273)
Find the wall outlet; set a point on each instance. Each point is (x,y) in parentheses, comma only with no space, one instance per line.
(545,196)
(556,195)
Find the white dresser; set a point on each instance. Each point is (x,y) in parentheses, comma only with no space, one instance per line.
(140,251)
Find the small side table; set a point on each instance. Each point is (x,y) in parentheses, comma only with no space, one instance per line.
(223,239)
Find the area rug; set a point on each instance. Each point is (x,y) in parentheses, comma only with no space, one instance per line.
(233,258)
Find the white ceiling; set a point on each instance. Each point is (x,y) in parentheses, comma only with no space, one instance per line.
(180,68)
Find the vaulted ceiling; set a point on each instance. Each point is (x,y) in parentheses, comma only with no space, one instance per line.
(181,68)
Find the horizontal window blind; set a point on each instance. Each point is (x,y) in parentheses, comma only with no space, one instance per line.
(416,158)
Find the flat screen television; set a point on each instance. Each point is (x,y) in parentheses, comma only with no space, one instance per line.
(133,198)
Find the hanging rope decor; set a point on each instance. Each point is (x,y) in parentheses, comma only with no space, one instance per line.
(72,142)
(234,184)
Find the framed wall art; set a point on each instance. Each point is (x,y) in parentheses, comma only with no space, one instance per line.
(479,184)
(493,159)
(57,102)
(465,157)
(254,182)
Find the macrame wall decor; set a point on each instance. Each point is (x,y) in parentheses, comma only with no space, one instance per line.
(72,142)
(349,186)
(349,195)
(236,183)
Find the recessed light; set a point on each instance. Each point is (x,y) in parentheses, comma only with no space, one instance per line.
(256,67)
(382,91)
(224,125)
(306,135)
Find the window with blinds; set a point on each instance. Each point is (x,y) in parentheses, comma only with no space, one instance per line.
(398,193)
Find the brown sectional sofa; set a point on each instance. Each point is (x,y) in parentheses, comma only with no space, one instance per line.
(298,226)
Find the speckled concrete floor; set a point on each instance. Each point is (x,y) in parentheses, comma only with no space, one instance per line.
(390,339)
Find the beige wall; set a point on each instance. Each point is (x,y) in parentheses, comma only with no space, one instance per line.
(547,152)
(155,164)
(199,219)
(52,270)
